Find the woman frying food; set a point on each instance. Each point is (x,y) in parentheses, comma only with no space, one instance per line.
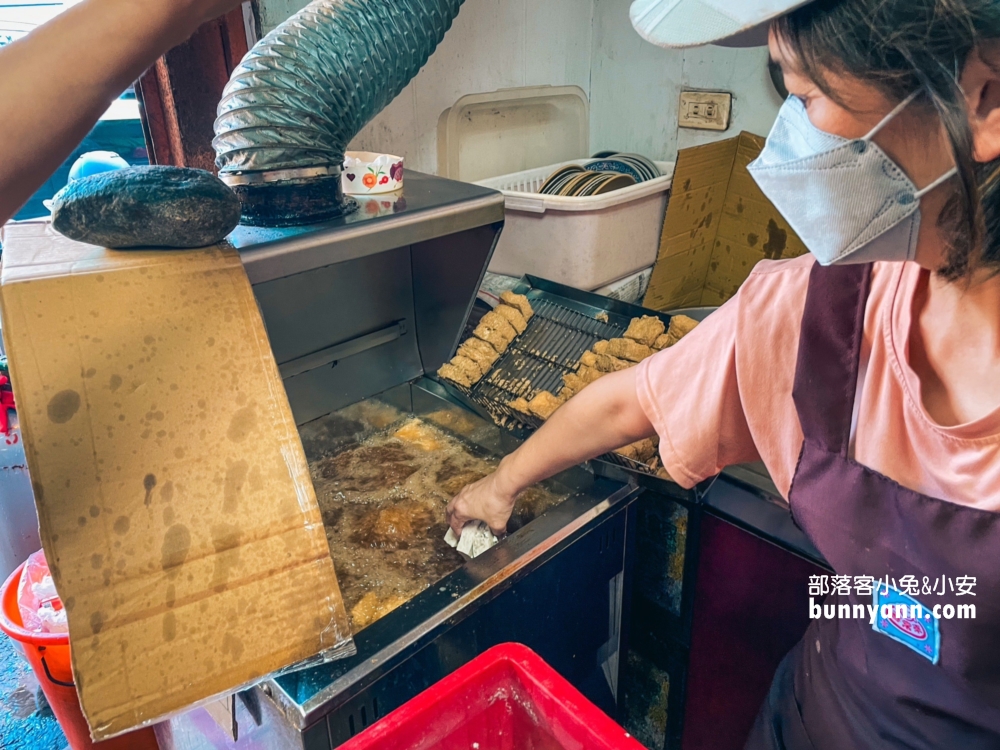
(866,375)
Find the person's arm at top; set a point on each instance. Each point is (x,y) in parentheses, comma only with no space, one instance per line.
(56,82)
(603,417)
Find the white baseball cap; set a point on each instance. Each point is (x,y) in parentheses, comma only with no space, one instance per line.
(689,23)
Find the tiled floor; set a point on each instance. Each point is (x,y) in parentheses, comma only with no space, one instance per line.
(22,725)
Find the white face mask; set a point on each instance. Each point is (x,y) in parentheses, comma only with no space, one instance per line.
(846,199)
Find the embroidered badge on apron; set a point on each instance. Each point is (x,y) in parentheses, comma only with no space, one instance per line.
(907,621)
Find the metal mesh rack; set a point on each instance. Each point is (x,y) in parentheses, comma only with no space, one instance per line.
(628,463)
(551,347)
(557,336)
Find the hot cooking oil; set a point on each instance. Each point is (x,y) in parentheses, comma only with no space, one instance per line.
(383,479)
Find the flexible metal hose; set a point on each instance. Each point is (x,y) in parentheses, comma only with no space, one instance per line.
(307,88)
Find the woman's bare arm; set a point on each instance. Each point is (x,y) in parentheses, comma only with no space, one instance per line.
(603,417)
(58,80)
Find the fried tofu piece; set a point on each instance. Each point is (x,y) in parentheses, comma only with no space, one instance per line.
(496,331)
(573,382)
(480,352)
(566,393)
(601,347)
(628,349)
(628,451)
(420,435)
(665,341)
(497,321)
(513,316)
(607,363)
(544,405)
(494,338)
(645,450)
(645,330)
(520,404)
(589,374)
(584,376)
(371,608)
(455,374)
(681,326)
(570,389)
(589,359)
(469,366)
(520,302)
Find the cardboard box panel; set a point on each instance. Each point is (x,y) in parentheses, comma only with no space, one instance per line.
(718,227)
(701,183)
(174,498)
(682,279)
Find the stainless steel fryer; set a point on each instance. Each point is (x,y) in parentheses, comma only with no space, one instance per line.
(366,306)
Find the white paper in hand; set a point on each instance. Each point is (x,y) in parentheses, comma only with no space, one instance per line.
(475,540)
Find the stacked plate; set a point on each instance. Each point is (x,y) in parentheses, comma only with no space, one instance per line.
(574,180)
(635,165)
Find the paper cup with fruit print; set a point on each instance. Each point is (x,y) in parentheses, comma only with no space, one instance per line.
(366,173)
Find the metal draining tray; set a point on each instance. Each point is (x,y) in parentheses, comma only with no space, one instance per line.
(567,323)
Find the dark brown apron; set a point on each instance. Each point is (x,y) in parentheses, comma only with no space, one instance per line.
(917,682)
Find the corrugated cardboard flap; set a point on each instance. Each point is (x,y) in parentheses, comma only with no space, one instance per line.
(718,226)
(174,499)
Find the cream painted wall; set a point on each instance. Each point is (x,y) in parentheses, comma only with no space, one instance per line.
(633,86)
(493,44)
(636,87)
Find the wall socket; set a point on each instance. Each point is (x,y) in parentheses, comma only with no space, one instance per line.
(705,110)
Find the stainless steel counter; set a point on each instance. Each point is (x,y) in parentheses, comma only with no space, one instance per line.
(428,208)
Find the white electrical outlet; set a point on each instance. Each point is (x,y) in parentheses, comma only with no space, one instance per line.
(705,110)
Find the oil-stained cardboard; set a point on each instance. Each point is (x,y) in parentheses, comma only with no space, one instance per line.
(173,494)
(718,227)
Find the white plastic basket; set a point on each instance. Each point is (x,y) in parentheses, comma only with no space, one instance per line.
(585,242)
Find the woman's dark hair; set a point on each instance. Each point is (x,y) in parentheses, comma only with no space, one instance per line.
(902,46)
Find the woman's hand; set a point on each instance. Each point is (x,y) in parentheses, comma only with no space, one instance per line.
(486,500)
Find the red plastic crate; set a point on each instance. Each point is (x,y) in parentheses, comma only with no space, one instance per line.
(506,699)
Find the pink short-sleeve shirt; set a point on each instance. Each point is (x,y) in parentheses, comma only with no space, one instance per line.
(723,395)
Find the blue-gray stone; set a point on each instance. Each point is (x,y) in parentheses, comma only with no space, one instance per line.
(171,207)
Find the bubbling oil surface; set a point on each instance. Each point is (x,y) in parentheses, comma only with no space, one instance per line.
(383,479)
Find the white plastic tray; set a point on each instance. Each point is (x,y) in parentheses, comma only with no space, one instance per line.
(586,242)
(521,190)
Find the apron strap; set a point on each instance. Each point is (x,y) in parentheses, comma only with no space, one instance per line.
(826,375)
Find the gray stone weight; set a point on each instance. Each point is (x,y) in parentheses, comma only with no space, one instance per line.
(171,207)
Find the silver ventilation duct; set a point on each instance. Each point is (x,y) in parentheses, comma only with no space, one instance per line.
(306,89)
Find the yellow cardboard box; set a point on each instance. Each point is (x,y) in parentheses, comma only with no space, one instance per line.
(174,499)
(718,227)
